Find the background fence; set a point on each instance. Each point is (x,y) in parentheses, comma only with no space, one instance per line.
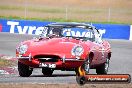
(116,11)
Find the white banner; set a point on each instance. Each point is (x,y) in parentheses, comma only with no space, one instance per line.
(130,38)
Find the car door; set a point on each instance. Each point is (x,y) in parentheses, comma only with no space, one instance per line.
(102,53)
(106,49)
(101,48)
(95,50)
(99,53)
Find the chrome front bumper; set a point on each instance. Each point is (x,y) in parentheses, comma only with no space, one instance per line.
(25,57)
(63,59)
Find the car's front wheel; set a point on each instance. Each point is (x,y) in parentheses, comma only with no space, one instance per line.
(24,70)
(87,66)
(47,71)
(103,68)
(84,69)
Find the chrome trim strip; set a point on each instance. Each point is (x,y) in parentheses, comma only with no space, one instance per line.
(26,57)
(63,59)
(22,57)
(30,56)
(73,60)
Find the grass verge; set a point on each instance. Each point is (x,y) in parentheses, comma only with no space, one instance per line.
(7,63)
(55,20)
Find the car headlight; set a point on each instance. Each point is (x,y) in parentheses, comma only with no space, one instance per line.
(23,49)
(77,51)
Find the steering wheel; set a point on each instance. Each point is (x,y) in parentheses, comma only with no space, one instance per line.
(52,35)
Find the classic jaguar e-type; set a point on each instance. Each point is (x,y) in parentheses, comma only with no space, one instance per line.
(64,46)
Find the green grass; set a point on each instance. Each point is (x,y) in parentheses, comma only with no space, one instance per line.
(7,63)
(83,15)
(33,9)
(54,20)
(11,8)
(51,10)
(107,12)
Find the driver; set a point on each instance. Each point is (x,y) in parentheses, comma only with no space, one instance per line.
(55,32)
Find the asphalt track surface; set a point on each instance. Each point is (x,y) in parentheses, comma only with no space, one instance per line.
(121,61)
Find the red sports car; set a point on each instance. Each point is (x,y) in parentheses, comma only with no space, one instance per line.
(62,47)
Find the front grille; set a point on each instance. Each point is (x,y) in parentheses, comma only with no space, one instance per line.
(47,58)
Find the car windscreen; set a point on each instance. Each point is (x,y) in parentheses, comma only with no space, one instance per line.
(75,32)
(82,33)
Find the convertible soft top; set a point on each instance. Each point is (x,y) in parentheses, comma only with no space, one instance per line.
(71,24)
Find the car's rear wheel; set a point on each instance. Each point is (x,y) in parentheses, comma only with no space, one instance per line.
(47,71)
(24,70)
(103,68)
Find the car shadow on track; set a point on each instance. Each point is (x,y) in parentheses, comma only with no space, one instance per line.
(54,75)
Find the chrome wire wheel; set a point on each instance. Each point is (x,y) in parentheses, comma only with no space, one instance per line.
(87,66)
(103,68)
(84,69)
(106,65)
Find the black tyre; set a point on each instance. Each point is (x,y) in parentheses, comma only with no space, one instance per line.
(47,71)
(24,70)
(81,80)
(103,69)
(84,69)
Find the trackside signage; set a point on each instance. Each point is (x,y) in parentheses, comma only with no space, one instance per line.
(16,27)
(115,31)
(111,31)
(78,32)
(22,26)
